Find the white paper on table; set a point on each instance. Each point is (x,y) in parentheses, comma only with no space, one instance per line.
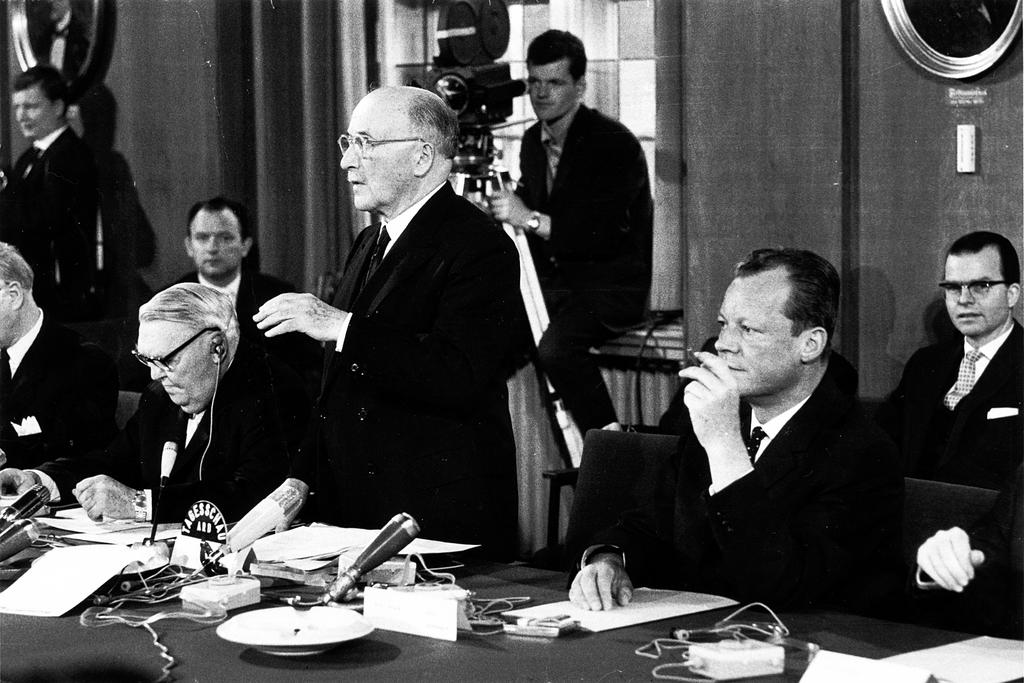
(325,541)
(129,536)
(648,604)
(62,578)
(77,521)
(977,660)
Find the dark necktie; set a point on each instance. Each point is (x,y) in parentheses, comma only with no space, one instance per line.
(33,157)
(757,435)
(377,256)
(5,372)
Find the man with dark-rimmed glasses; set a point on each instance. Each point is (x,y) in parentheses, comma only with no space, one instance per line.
(233,412)
(956,412)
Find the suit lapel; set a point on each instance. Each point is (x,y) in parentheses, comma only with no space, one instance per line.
(416,244)
(35,362)
(999,372)
(574,139)
(344,298)
(790,446)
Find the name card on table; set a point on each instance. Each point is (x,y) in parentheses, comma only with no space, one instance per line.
(434,611)
(834,667)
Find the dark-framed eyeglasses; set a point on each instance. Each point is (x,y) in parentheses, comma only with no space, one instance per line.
(164,362)
(363,143)
(977,288)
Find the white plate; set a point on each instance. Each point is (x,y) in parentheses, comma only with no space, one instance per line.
(292,632)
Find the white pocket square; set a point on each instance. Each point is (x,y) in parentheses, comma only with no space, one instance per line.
(28,426)
(996,413)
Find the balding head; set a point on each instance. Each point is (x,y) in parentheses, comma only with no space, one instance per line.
(408,137)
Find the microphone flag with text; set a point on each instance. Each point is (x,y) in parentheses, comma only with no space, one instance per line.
(281,505)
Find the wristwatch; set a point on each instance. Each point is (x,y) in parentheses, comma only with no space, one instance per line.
(533,223)
(139,503)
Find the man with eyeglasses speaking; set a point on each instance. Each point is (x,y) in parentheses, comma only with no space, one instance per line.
(232,411)
(956,412)
(413,409)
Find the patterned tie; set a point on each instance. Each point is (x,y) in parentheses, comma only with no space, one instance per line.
(964,380)
(554,155)
(757,435)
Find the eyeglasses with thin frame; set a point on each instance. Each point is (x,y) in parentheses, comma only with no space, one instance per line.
(163,363)
(362,143)
(977,288)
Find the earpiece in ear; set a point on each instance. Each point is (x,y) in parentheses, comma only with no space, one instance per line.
(218,352)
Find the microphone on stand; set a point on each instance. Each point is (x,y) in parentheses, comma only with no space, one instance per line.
(395,535)
(26,505)
(266,516)
(167,458)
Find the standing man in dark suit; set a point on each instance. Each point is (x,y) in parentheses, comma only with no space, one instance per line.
(413,412)
(956,412)
(58,393)
(48,209)
(585,201)
(235,413)
(781,490)
(218,240)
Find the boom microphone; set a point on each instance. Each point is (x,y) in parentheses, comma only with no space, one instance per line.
(26,505)
(395,535)
(266,516)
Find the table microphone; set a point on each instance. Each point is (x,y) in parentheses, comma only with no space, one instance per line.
(17,536)
(266,516)
(395,535)
(167,458)
(26,505)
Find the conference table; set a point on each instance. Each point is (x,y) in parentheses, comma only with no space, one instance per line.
(60,649)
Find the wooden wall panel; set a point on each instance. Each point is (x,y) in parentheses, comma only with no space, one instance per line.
(164,80)
(762,148)
(913,203)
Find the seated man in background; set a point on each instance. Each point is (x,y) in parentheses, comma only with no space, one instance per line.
(218,240)
(234,412)
(956,412)
(58,393)
(984,570)
(781,490)
(584,200)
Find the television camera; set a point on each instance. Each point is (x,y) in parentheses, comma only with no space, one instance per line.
(471,34)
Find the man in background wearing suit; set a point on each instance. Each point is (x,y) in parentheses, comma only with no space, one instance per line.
(585,202)
(781,490)
(956,412)
(58,393)
(219,240)
(48,208)
(413,411)
(235,413)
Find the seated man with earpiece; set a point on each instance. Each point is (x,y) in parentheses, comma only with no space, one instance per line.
(234,412)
